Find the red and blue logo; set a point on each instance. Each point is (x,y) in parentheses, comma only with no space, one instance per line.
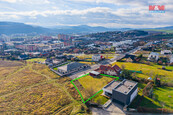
(157,8)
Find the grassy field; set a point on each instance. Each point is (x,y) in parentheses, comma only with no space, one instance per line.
(148,70)
(158,30)
(84,56)
(88,63)
(89,85)
(89,82)
(162,98)
(34,89)
(36,59)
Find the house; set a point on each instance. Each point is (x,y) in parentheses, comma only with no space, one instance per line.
(166,52)
(122,92)
(71,68)
(94,73)
(153,56)
(23,57)
(171,59)
(97,57)
(115,70)
(130,58)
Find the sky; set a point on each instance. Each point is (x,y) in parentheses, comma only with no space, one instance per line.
(107,13)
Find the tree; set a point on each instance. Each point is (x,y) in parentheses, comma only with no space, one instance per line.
(126,74)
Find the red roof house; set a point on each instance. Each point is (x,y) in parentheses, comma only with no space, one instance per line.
(109,70)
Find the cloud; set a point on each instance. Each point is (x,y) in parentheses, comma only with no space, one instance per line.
(10,1)
(118,13)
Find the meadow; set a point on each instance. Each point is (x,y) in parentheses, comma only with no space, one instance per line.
(148,70)
(88,86)
(33,89)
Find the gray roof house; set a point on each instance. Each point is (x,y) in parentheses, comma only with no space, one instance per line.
(153,56)
(70,68)
(122,92)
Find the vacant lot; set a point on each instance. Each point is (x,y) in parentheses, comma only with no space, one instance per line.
(42,99)
(34,89)
(88,86)
(43,69)
(36,59)
(95,84)
(18,80)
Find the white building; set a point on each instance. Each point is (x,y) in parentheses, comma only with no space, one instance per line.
(166,52)
(171,59)
(153,56)
(96,57)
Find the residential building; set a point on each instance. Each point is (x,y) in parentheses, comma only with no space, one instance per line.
(130,58)
(97,57)
(109,70)
(122,92)
(72,67)
(153,56)
(171,59)
(94,73)
(165,52)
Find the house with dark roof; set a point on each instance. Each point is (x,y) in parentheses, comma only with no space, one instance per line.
(110,70)
(71,68)
(23,57)
(123,92)
(130,58)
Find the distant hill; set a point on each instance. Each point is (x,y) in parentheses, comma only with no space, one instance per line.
(13,28)
(168,29)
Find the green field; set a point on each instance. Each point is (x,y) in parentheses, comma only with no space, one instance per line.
(149,70)
(162,98)
(158,30)
(90,88)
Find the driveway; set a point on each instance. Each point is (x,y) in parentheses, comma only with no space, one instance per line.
(112,109)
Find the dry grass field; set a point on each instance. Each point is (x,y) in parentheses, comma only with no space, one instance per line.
(34,89)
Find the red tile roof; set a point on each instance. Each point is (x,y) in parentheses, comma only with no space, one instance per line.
(106,68)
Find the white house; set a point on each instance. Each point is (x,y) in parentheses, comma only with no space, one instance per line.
(153,56)
(166,52)
(171,59)
(97,57)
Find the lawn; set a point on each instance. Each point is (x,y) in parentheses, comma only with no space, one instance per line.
(100,99)
(162,96)
(95,84)
(148,70)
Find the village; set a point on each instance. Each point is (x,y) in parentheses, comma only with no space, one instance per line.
(133,85)
(117,76)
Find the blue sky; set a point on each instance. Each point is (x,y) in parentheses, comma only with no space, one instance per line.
(107,13)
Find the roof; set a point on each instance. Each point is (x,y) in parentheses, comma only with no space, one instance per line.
(111,85)
(154,53)
(125,86)
(95,72)
(71,66)
(97,55)
(107,68)
(130,56)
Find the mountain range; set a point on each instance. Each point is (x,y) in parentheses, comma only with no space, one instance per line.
(14,28)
